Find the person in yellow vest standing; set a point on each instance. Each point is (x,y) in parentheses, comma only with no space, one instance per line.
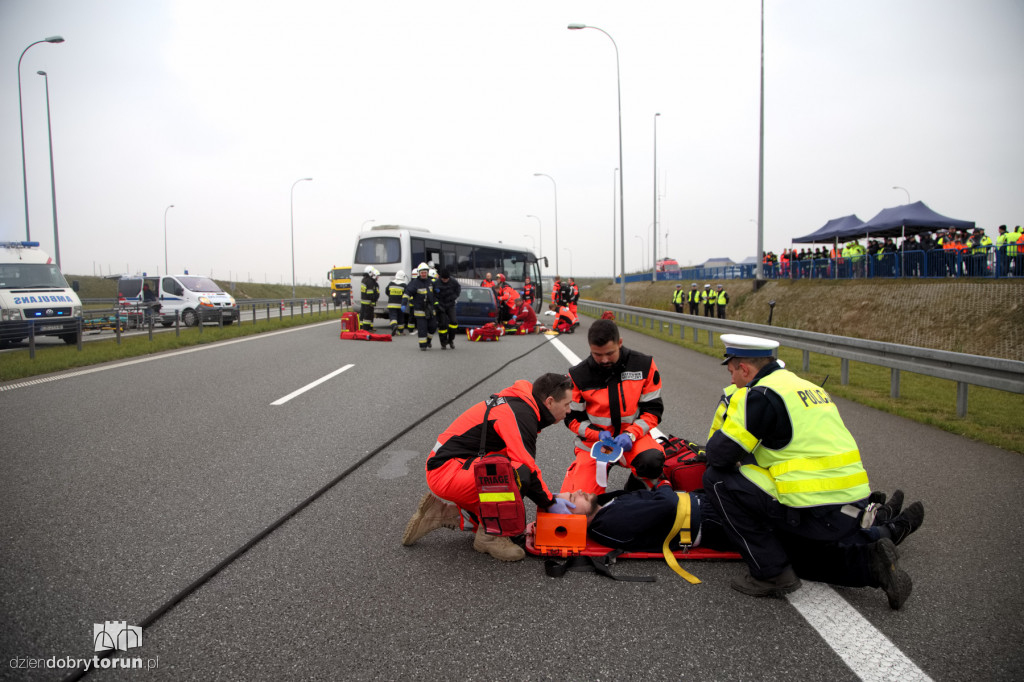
(677,298)
(721,300)
(786,476)
(693,299)
(707,297)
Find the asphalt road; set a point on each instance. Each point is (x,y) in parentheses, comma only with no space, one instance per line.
(124,485)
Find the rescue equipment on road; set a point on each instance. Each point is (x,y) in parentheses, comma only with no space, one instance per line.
(349,321)
(488,332)
(363,335)
(605,459)
(497,483)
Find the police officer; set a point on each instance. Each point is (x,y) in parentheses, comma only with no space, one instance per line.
(707,297)
(369,292)
(721,300)
(787,476)
(677,298)
(396,292)
(616,394)
(421,305)
(515,420)
(447,290)
(693,299)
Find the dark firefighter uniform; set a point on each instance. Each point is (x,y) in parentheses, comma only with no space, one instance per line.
(419,301)
(369,292)
(447,294)
(396,295)
(790,501)
(623,398)
(513,425)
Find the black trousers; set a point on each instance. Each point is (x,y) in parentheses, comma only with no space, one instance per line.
(821,543)
(693,309)
(366,317)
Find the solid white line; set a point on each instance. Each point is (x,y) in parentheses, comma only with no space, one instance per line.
(868,653)
(159,356)
(282,401)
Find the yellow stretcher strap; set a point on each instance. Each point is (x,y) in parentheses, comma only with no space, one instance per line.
(681,526)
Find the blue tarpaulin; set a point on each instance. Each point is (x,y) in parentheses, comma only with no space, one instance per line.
(828,232)
(909,219)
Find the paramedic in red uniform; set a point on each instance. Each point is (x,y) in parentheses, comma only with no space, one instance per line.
(512,427)
(616,391)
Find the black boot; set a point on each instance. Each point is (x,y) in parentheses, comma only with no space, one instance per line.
(889,510)
(906,523)
(887,573)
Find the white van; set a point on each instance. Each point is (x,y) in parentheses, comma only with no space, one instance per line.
(34,292)
(194,299)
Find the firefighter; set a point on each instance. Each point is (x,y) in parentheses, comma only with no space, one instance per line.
(616,394)
(447,290)
(693,299)
(515,419)
(369,292)
(421,305)
(396,292)
(787,475)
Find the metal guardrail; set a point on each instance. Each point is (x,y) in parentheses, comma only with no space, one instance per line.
(964,369)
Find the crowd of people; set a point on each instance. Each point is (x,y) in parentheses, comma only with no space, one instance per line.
(714,300)
(941,253)
(784,485)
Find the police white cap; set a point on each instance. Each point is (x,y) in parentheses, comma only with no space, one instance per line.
(741,346)
(694,284)
(707,286)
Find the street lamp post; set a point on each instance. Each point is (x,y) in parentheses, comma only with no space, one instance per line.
(555,185)
(759,274)
(533,242)
(21,119)
(643,250)
(167,270)
(654,269)
(540,236)
(615,174)
(622,209)
(53,182)
(293,228)
(905,190)
(569,251)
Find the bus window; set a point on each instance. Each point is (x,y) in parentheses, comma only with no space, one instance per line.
(487,260)
(379,250)
(464,261)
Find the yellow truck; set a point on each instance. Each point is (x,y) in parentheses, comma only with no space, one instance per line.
(341,285)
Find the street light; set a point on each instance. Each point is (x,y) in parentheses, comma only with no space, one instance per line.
(905,190)
(654,270)
(533,243)
(540,237)
(568,251)
(167,270)
(21,119)
(555,184)
(371,220)
(622,209)
(53,182)
(615,174)
(293,229)
(759,268)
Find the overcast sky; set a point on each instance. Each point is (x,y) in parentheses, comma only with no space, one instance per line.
(438,114)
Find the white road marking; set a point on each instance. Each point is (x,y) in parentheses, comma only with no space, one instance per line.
(868,653)
(282,401)
(160,356)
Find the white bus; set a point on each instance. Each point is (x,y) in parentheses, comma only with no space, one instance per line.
(391,248)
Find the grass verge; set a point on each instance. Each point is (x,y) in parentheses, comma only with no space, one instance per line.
(992,416)
(18,365)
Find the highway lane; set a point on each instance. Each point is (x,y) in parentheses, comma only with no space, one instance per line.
(117,524)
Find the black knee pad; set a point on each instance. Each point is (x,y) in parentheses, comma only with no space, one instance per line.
(649,463)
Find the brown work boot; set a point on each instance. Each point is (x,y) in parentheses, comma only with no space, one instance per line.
(783,583)
(498,546)
(431,514)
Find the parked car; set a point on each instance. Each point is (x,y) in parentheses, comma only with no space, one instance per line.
(476,306)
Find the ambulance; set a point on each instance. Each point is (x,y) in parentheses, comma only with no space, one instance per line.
(34,293)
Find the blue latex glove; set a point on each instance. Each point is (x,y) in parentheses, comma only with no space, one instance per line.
(560,506)
(607,438)
(624,442)
(405,308)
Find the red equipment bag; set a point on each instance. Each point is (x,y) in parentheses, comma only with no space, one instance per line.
(488,332)
(607,315)
(349,322)
(363,335)
(497,483)
(685,463)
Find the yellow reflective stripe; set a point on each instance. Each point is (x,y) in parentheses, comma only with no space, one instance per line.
(736,432)
(497,497)
(815,463)
(822,484)
(681,526)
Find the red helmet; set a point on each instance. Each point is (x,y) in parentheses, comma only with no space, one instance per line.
(501,276)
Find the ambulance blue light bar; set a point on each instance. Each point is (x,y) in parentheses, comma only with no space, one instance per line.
(18,245)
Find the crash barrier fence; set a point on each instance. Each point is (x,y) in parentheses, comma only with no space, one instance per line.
(962,368)
(991,262)
(137,316)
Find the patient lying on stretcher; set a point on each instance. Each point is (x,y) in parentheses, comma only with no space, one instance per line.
(640,520)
